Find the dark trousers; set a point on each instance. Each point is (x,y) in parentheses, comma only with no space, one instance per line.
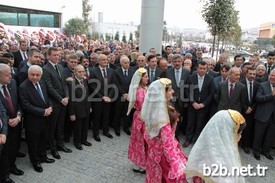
(181,127)
(121,108)
(196,121)
(100,117)
(264,135)
(80,130)
(248,132)
(36,142)
(9,151)
(68,126)
(56,127)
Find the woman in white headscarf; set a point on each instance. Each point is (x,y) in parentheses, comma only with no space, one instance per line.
(165,160)
(137,144)
(218,145)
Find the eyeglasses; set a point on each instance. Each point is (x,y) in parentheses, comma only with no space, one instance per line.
(141,60)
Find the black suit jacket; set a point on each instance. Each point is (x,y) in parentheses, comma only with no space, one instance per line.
(33,105)
(22,64)
(265,103)
(56,86)
(178,91)
(121,83)
(97,84)
(78,103)
(158,72)
(206,94)
(4,120)
(12,88)
(236,101)
(23,74)
(251,103)
(17,58)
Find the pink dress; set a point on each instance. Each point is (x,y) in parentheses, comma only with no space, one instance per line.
(137,144)
(165,160)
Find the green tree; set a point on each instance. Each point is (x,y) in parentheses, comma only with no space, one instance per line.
(86,10)
(117,36)
(95,35)
(124,38)
(131,37)
(75,26)
(107,37)
(179,40)
(273,41)
(218,15)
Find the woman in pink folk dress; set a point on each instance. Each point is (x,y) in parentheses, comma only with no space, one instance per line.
(165,160)
(137,145)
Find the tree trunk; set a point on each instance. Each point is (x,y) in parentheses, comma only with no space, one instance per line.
(217,51)
(213,46)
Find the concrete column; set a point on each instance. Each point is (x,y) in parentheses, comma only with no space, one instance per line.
(151,25)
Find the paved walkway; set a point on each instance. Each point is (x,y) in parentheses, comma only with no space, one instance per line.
(106,161)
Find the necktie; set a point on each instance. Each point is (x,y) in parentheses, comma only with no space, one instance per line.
(9,101)
(38,89)
(105,77)
(178,77)
(25,56)
(223,79)
(250,91)
(125,75)
(104,73)
(152,76)
(200,83)
(231,90)
(268,70)
(87,74)
(57,70)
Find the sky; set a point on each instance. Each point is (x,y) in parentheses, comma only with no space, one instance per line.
(183,13)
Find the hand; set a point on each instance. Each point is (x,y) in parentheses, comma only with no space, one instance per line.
(125,96)
(196,105)
(249,110)
(14,121)
(72,118)
(69,79)
(64,101)
(3,138)
(48,111)
(201,105)
(106,99)
(91,110)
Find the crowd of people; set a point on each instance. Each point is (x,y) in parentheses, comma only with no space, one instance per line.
(57,93)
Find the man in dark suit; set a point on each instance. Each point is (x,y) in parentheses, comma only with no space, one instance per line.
(231,94)
(265,118)
(68,72)
(153,71)
(8,97)
(270,62)
(200,94)
(21,54)
(84,61)
(261,75)
(178,75)
(104,90)
(3,126)
(196,60)
(37,108)
(58,94)
(222,60)
(123,80)
(33,59)
(249,108)
(79,107)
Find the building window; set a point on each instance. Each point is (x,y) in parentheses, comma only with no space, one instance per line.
(23,19)
(8,18)
(40,20)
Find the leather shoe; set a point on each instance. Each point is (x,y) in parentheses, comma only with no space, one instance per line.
(64,149)
(268,156)
(140,170)
(256,156)
(87,143)
(127,131)
(7,180)
(79,147)
(107,134)
(16,171)
(47,160)
(55,154)
(117,132)
(186,144)
(97,138)
(37,167)
(246,150)
(20,155)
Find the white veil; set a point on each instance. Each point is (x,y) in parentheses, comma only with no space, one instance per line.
(217,144)
(154,110)
(133,88)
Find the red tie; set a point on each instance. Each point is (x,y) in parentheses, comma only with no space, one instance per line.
(87,74)
(9,101)
(231,90)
